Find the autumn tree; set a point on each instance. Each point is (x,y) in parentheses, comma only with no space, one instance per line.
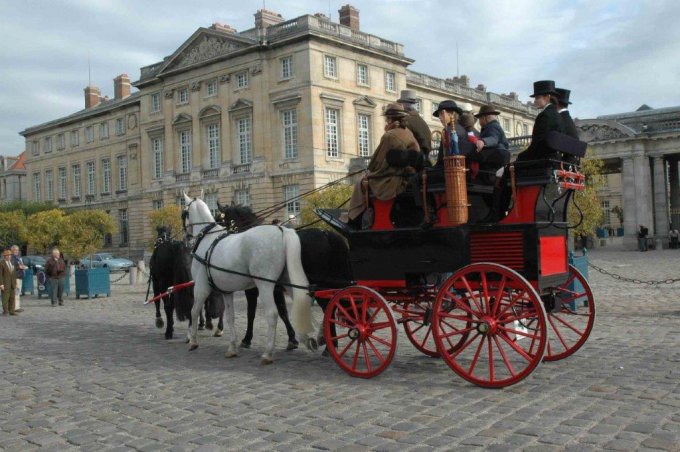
(587,200)
(45,229)
(85,234)
(168,216)
(13,228)
(333,197)
(27,207)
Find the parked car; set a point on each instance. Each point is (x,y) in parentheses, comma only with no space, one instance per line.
(37,263)
(107,260)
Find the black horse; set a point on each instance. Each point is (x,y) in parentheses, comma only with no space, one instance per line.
(325,260)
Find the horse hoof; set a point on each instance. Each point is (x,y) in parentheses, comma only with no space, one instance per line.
(311,344)
(218,333)
(159,322)
(201,327)
(209,326)
(245,344)
(266,362)
(292,345)
(193,347)
(230,355)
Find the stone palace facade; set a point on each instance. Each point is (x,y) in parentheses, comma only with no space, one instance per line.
(253,117)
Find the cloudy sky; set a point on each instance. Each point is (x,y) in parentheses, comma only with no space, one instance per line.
(615,55)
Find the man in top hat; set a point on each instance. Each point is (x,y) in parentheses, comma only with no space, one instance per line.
(393,159)
(548,120)
(8,283)
(454,136)
(492,147)
(563,109)
(414,123)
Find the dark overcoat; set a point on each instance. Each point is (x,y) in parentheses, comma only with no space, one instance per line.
(547,121)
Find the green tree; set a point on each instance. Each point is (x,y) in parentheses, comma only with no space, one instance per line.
(168,216)
(329,198)
(587,200)
(85,231)
(45,229)
(13,228)
(27,207)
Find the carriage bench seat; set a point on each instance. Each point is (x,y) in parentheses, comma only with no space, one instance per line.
(436,184)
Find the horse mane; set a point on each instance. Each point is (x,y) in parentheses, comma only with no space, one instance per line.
(242,216)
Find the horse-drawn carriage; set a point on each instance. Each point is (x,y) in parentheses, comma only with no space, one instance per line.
(492,300)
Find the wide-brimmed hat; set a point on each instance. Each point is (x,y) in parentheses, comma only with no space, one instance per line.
(542,87)
(394,110)
(447,105)
(407,96)
(487,110)
(6,253)
(563,95)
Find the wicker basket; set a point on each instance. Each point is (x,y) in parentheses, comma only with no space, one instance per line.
(456,189)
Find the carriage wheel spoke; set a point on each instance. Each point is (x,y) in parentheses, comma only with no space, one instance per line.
(380,326)
(568,282)
(458,332)
(520,295)
(341,336)
(340,323)
(344,350)
(484,295)
(473,364)
(415,330)
(367,360)
(427,335)
(355,361)
(462,318)
(375,350)
(507,362)
(470,291)
(381,340)
(516,347)
(354,307)
(516,332)
(565,323)
(346,314)
(462,347)
(461,306)
(499,295)
(492,373)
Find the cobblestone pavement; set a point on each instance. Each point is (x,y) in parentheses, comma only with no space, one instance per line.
(97,375)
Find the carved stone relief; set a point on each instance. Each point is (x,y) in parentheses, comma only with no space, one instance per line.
(209,47)
(598,132)
(169,93)
(225,78)
(195,86)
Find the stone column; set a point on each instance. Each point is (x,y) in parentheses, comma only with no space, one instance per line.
(630,223)
(660,202)
(675,191)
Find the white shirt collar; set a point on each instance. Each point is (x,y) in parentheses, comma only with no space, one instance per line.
(564,109)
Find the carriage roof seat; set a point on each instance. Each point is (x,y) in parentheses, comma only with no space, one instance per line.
(535,172)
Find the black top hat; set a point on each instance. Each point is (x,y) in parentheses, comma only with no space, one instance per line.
(447,105)
(563,95)
(543,87)
(487,110)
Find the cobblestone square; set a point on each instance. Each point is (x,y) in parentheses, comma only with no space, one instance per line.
(97,375)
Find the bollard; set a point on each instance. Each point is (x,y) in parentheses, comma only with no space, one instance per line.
(141,271)
(133,276)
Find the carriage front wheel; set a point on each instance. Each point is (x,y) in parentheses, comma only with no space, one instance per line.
(501,318)
(365,337)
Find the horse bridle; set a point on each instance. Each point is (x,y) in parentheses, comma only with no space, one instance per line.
(189,236)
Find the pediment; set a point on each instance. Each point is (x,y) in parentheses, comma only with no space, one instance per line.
(181,118)
(210,110)
(602,130)
(365,101)
(204,45)
(240,104)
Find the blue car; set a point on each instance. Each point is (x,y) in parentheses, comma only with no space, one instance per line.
(107,260)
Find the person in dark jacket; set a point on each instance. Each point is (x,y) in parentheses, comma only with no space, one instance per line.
(548,120)
(414,123)
(55,268)
(568,123)
(492,148)
(454,136)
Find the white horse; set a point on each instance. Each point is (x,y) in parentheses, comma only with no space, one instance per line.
(265,253)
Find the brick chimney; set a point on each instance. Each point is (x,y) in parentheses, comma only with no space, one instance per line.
(349,17)
(265,18)
(92,96)
(121,86)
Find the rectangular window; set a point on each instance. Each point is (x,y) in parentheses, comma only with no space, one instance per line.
(183,96)
(244,141)
(37,192)
(157,204)
(242,79)
(211,201)
(74,138)
(211,88)
(61,141)
(332,129)
(49,185)
(48,144)
(290,194)
(286,67)
(103,130)
(362,74)
(122,173)
(123,226)
(157,147)
(606,212)
(106,176)
(35,148)
(243,197)
(91,179)
(526,129)
(390,81)
(506,125)
(155,102)
(330,68)
(213,132)
(120,126)
(89,134)
(185,150)
(290,148)
(62,183)
(364,128)
(75,170)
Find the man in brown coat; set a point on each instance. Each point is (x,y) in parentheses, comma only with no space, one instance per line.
(55,267)
(414,123)
(8,283)
(386,180)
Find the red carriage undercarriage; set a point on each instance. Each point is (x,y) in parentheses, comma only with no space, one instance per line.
(492,300)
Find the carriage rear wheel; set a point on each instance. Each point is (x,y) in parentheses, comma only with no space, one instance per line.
(570,325)
(416,316)
(489,325)
(366,333)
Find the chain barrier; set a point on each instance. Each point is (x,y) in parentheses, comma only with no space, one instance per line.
(125,274)
(633,280)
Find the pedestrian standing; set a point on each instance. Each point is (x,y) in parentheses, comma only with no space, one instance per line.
(19,268)
(674,234)
(8,281)
(642,237)
(55,268)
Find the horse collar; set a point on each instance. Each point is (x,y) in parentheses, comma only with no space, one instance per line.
(202,234)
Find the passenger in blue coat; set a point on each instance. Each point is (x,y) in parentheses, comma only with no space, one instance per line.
(492,147)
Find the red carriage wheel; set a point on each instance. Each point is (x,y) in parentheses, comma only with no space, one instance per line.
(366,332)
(571,323)
(489,325)
(416,317)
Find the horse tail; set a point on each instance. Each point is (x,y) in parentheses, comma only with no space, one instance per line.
(302,304)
